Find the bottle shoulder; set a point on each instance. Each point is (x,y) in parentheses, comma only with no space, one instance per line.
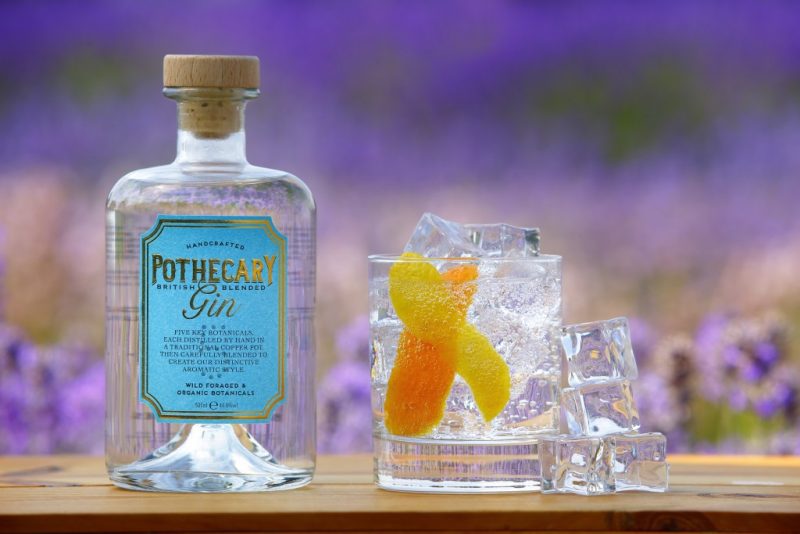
(176,183)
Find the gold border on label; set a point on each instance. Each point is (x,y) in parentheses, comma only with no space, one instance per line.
(277,238)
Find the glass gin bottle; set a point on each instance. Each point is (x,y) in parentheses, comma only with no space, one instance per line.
(210,304)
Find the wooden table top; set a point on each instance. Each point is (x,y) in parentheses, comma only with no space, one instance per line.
(707,493)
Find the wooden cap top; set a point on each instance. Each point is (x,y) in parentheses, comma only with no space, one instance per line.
(211,71)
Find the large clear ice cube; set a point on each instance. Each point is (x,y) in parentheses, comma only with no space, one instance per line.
(384,338)
(435,237)
(582,465)
(532,409)
(640,462)
(533,406)
(504,240)
(518,314)
(598,409)
(594,465)
(598,351)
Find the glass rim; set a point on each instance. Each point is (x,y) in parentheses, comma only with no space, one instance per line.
(397,258)
(622,318)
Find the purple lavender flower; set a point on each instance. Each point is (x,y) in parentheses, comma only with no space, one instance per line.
(657,404)
(13,425)
(345,414)
(15,357)
(80,412)
(352,342)
(643,339)
(766,354)
(40,390)
(713,359)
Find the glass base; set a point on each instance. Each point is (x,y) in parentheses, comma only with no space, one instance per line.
(210,459)
(452,466)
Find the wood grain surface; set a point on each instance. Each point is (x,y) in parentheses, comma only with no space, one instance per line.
(708,493)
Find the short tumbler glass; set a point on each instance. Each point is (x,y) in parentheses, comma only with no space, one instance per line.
(511,307)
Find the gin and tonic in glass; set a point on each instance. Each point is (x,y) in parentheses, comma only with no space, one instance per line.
(465,370)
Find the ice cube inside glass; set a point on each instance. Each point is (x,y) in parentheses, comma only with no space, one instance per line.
(435,237)
(504,240)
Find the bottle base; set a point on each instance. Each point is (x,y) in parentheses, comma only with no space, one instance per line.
(195,482)
(206,458)
(452,466)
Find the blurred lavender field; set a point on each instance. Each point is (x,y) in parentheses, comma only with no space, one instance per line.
(655,144)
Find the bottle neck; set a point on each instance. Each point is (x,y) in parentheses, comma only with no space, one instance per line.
(211,126)
(201,150)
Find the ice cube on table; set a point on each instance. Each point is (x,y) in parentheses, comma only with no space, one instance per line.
(600,408)
(640,462)
(598,351)
(582,465)
(435,237)
(594,465)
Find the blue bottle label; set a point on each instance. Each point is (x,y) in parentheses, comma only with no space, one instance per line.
(213,319)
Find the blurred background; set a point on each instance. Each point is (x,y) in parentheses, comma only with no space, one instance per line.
(656,144)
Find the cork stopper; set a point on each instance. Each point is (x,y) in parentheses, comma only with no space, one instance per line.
(211,91)
(231,72)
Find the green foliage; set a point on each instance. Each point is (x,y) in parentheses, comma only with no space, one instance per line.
(630,113)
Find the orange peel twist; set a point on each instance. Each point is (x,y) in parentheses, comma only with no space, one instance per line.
(436,343)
